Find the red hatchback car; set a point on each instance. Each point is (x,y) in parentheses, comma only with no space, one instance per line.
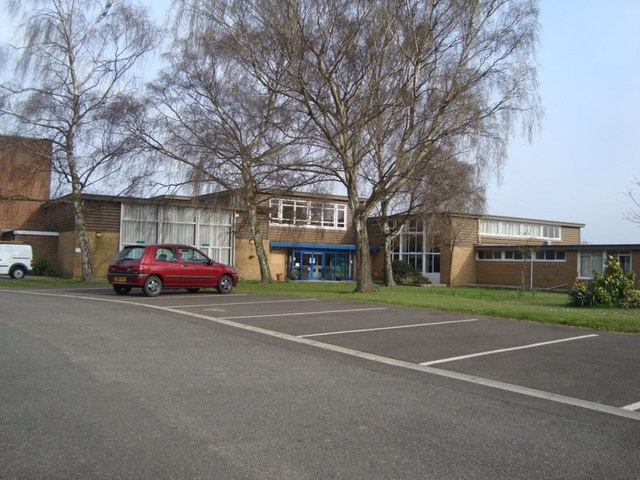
(154,267)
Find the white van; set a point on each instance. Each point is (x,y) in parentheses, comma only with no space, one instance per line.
(15,259)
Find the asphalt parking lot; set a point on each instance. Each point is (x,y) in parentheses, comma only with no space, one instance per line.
(581,367)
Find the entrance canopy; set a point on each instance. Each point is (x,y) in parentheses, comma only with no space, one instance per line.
(311,246)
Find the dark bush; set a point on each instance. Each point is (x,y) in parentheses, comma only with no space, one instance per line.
(613,287)
(42,268)
(403,273)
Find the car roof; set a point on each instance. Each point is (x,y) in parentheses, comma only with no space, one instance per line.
(155,245)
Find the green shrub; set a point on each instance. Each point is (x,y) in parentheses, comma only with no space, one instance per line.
(41,268)
(403,273)
(613,287)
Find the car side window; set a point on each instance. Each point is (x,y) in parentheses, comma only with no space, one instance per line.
(166,254)
(191,255)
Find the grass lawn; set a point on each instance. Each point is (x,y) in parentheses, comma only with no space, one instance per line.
(547,307)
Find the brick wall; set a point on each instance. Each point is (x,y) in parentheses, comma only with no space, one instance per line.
(25,182)
(44,247)
(247,264)
(545,274)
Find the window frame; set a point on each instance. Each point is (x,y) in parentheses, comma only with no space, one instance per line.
(521,255)
(307,214)
(603,255)
(518,229)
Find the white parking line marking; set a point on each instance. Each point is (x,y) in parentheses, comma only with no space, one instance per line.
(633,407)
(388,328)
(303,313)
(243,303)
(491,352)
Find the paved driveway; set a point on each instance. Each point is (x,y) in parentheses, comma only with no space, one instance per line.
(94,385)
(581,367)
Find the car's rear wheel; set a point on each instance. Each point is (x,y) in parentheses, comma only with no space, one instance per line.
(193,290)
(152,286)
(121,289)
(225,284)
(17,272)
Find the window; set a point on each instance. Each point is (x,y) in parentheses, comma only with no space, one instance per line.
(191,255)
(551,255)
(410,246)
(594,261)
(139,224)
(514,255)
(590,262)
(522,255)
(505,228)
(625,261)
(489,255)
(307,214)
(315,214)
(164,254)
(131,253)
(179,224)
(210,230)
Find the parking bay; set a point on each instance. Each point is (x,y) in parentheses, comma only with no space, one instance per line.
(578,363)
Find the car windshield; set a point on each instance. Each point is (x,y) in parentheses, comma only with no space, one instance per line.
(130,253)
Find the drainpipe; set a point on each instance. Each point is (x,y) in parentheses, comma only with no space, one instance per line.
(531,269)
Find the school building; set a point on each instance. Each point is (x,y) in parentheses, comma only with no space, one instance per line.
(307,236)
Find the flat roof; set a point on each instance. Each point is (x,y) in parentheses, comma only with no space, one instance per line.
(559,246)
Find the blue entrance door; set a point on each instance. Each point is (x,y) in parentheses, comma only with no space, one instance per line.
(320,265)
(312,263)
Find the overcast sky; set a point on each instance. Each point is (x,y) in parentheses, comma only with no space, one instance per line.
(584,159)
(586,156)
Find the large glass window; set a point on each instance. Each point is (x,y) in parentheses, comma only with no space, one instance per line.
(179,225)
(139,224)
(303,213)
(410,246)
(209,230)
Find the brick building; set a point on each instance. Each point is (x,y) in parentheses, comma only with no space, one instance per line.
(25,186)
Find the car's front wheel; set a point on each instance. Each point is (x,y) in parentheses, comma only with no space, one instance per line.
(225,284)
(121,289)
(152,286)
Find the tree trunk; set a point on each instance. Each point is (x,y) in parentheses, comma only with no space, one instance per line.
(86,261)
(388,268)
(364,281)
(263,261)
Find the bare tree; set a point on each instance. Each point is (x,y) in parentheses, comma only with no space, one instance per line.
(228,129)
(410,76)
(634,216)
(75,60)
(443,185)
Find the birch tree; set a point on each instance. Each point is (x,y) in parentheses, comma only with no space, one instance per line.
(73,64)
(413,77)
(208,113)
